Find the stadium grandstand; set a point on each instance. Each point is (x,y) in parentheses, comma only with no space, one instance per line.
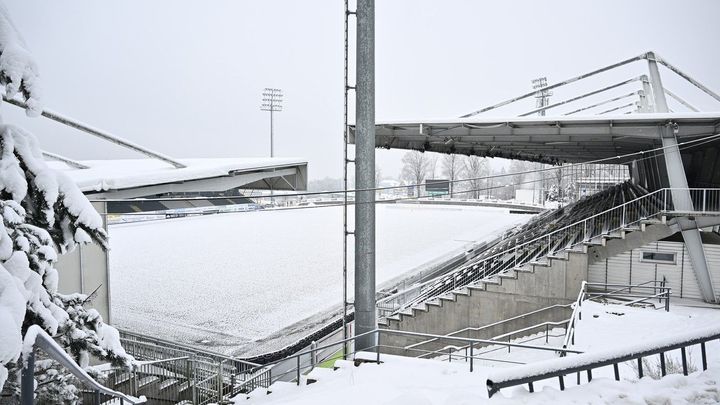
(642,232)
(659,228)
(157,184)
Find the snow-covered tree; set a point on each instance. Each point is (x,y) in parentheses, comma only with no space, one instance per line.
(43,214)
(553,193)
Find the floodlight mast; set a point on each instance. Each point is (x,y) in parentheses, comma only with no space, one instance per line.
(542,97)
(272,102)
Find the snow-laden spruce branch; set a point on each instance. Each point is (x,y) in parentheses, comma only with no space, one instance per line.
(42,213)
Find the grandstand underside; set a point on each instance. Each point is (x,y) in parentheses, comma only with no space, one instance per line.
(558,140)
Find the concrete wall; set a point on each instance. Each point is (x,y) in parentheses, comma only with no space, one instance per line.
(85,269)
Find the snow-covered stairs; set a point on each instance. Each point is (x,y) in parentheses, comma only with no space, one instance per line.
(547,280)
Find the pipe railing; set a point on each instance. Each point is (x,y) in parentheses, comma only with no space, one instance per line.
(618,293)
(41,340)
(299,367)
(208,377)
(477,329)
(658,288)
(451,351)
(587,362)
(576,315)
(603,224)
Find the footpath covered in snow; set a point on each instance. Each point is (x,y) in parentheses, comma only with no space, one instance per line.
(400,380)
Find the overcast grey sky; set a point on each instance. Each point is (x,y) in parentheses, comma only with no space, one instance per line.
(185,77)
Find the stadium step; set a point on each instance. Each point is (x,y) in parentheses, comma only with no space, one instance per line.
(169,383)
(145,381)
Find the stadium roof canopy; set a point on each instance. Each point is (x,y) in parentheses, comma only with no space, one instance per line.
(130,178)
(542,139)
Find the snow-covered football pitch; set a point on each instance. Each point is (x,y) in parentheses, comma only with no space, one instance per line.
(234,279)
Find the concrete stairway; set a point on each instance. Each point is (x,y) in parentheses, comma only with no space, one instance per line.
(549,280)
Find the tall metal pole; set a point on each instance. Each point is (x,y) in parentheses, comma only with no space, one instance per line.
(365,317)
(681,199)
(271,101)
(272,151)
(346,161)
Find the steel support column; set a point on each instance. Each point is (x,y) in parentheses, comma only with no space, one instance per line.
(365,318)
(649,104)
(682,200)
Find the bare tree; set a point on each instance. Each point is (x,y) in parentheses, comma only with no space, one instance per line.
(451,168)
(475,167)
(415,168)
(432,164)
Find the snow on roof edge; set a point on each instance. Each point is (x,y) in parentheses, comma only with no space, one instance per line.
(118,174)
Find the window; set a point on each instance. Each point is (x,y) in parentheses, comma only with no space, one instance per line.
(658,257)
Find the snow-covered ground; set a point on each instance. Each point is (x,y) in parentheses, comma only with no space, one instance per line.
(238,278)
(402,381)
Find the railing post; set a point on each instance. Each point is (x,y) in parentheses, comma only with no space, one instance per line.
(135,381)
(665,199)
(27,381)
(663,370)
(377,343)
(191,380)
(684,361)
(471,356)
(97,397)
(622,225)
(548,247)
(298,370)
(313,345)
(220,382)
(704,200)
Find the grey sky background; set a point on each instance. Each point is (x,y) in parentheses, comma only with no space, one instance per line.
(185,77)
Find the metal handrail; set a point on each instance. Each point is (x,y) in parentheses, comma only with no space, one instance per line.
(576,315)
(589,361)
(494,324)
(378,333)
(584,295)
(663,295)
(174,346)
(661,197)
(42,340)
(497,338)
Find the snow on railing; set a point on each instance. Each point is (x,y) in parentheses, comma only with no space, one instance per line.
(586,362)
(37,337)
(648,206)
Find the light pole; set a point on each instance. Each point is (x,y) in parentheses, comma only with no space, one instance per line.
(542,96)
(271,101)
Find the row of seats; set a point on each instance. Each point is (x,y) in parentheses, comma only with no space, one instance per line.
(538,238)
